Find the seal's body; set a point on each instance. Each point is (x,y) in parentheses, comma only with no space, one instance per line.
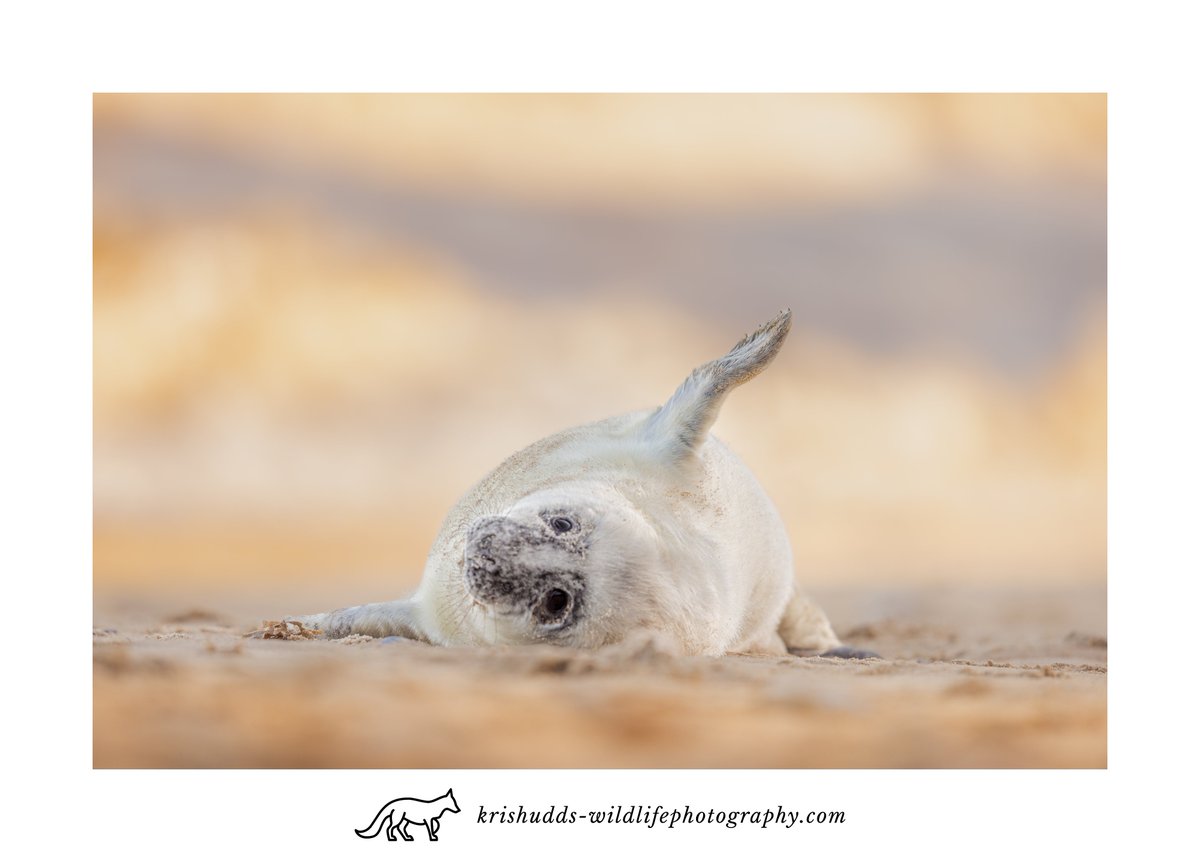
(639,524)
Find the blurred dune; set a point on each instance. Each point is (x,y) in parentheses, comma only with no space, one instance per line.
(253,377)
(671,148)
(318,319)
(959,246)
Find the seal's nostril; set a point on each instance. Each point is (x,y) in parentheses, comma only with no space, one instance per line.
(556,602)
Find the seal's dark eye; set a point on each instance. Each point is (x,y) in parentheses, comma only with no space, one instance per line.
(556,602)
(562,525)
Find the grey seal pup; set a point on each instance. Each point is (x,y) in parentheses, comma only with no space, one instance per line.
(639,525)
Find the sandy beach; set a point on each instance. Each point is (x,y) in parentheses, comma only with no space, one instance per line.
(970,677)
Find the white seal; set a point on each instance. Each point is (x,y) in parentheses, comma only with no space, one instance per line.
(642,524)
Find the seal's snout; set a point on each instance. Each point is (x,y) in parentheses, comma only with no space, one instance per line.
(486,528)
(523,570)
(491,561)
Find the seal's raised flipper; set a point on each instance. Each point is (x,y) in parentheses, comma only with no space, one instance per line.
(377,620)
(681,425)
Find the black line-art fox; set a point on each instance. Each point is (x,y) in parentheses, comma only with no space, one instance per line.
(400,812)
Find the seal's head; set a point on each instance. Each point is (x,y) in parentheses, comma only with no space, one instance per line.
(556,567)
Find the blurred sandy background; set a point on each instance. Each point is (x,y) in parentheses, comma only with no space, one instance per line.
(319,319)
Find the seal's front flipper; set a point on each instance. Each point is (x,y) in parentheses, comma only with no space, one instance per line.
(681,425)
(285,629)
(378,620)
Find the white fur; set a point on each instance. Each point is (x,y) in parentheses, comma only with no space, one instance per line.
(686,544)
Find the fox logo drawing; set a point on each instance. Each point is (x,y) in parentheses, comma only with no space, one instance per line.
(398,813)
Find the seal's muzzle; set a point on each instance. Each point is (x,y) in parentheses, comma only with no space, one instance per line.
(517,568)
